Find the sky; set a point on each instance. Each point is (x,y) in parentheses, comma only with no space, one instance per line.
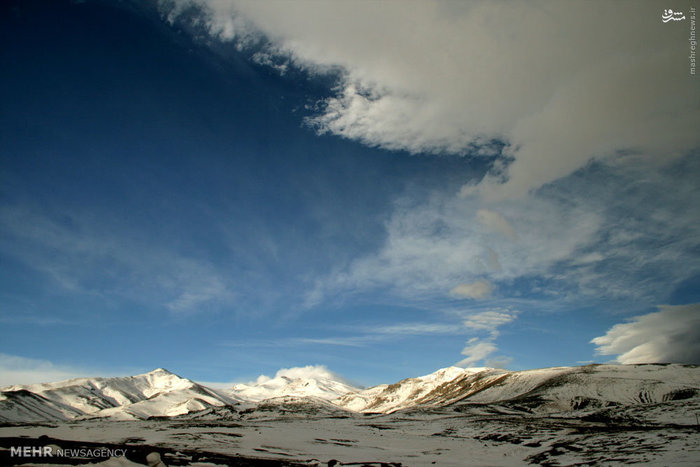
(376,189)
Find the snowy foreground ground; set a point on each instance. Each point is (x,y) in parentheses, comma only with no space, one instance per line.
(549,424)
(473,436)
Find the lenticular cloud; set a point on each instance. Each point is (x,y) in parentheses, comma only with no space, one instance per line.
(670,335)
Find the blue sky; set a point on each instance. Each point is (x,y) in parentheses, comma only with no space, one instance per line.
(226,188)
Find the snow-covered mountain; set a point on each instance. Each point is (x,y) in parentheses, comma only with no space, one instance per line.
(157,393)
(405,393)
(160,393)
(301,382)
(593,386)
(549,389)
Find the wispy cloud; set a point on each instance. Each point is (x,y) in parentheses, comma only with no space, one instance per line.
(496,223)
(670,335)
(85,256)
(415,328)
(343,341)
(21,370)
(490,320)
(355,340)
(372,334)
(479,348)
(476,350)
(437,246)
(477,290)
(361,336)
(586,237)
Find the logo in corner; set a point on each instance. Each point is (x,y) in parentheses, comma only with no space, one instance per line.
(670,15)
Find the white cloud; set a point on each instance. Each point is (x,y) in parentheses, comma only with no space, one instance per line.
(476,350)
(496,223)
(309,371)
(414,328)
(301,372)
(671,334)
(477,290)
(343,341)
(433,246)
(579,237)
(490,320)
(562,82)
(15,370)
(499,362)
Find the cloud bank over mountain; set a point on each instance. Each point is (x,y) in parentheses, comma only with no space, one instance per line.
(671,334)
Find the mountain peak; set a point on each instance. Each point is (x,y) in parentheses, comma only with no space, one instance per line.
(161,371)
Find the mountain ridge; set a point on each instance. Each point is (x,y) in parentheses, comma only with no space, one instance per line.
(158,392)
(161,393)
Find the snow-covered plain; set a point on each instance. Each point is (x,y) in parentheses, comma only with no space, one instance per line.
(597,414)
